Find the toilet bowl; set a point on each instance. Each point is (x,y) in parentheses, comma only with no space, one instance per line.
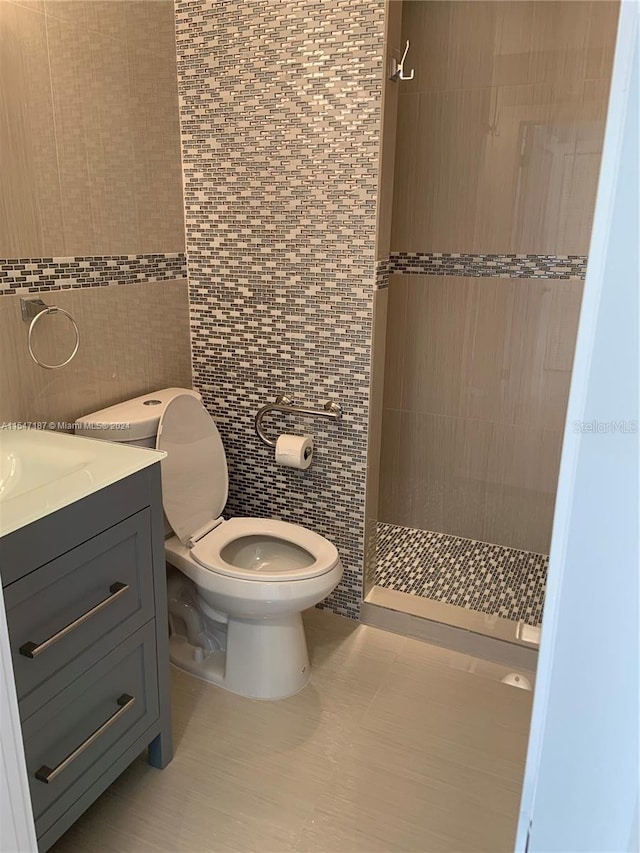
(235,603)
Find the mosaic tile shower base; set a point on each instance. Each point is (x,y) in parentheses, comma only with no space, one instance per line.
(476,575)
(280,125)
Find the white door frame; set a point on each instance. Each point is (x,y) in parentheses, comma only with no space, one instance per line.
(581,784)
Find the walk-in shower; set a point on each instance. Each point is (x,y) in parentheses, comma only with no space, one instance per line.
(490,166)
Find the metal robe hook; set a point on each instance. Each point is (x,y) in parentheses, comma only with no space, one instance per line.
(397,68)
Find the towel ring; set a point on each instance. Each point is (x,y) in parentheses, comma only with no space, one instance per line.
(53,309)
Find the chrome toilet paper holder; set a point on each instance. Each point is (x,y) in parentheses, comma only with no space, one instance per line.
(331,409)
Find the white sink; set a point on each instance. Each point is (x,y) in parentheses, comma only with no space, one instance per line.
(42,471)
(28,461)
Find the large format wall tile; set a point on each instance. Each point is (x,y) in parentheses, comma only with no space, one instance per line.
(491,349)
(404,178)
(522,477)
(89,129)
(471,44)
(477,375)
(134,339)
(90,196)
(95,150)
(155,131)
(475,479)
(509,101)
(508,169)
(468,44)
(498,153)
(30,202)
(280,121)
(450,143)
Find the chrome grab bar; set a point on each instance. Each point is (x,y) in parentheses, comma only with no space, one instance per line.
(31,650)
(48,774)
(331,410)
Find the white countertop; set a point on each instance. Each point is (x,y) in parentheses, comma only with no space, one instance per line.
(43,471)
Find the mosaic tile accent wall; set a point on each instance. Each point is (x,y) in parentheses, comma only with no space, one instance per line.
(492,266)
(280,123)
(39,275)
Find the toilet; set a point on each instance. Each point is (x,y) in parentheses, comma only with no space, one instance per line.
(236,599)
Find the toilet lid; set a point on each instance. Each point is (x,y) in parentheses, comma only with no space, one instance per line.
(195,481)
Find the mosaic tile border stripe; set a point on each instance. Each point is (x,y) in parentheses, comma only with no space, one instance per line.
(479,576)
(383,271)
(39,275)
(491,266)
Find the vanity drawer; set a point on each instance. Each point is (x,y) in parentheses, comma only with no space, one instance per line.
(77,607)
(73,739)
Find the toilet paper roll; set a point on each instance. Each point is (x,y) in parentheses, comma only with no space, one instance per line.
(294,451)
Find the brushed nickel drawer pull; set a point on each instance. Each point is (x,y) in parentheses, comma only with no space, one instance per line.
(31,650)
(48,774)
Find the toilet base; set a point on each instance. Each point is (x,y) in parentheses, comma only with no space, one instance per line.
(264,658)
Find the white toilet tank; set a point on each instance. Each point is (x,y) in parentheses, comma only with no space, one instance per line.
(132,422)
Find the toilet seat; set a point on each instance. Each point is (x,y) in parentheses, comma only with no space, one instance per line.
(195,484)
(264,549)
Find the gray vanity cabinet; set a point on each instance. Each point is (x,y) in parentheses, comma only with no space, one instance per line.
(85,594)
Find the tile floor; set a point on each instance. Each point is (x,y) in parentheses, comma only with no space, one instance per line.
(395,745)
(479,576)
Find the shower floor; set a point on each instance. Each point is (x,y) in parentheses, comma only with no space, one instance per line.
(479,576)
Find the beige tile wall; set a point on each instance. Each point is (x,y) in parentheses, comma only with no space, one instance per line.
(89,129)
(500,132)
(477,378)
(134,339)
(498,144)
